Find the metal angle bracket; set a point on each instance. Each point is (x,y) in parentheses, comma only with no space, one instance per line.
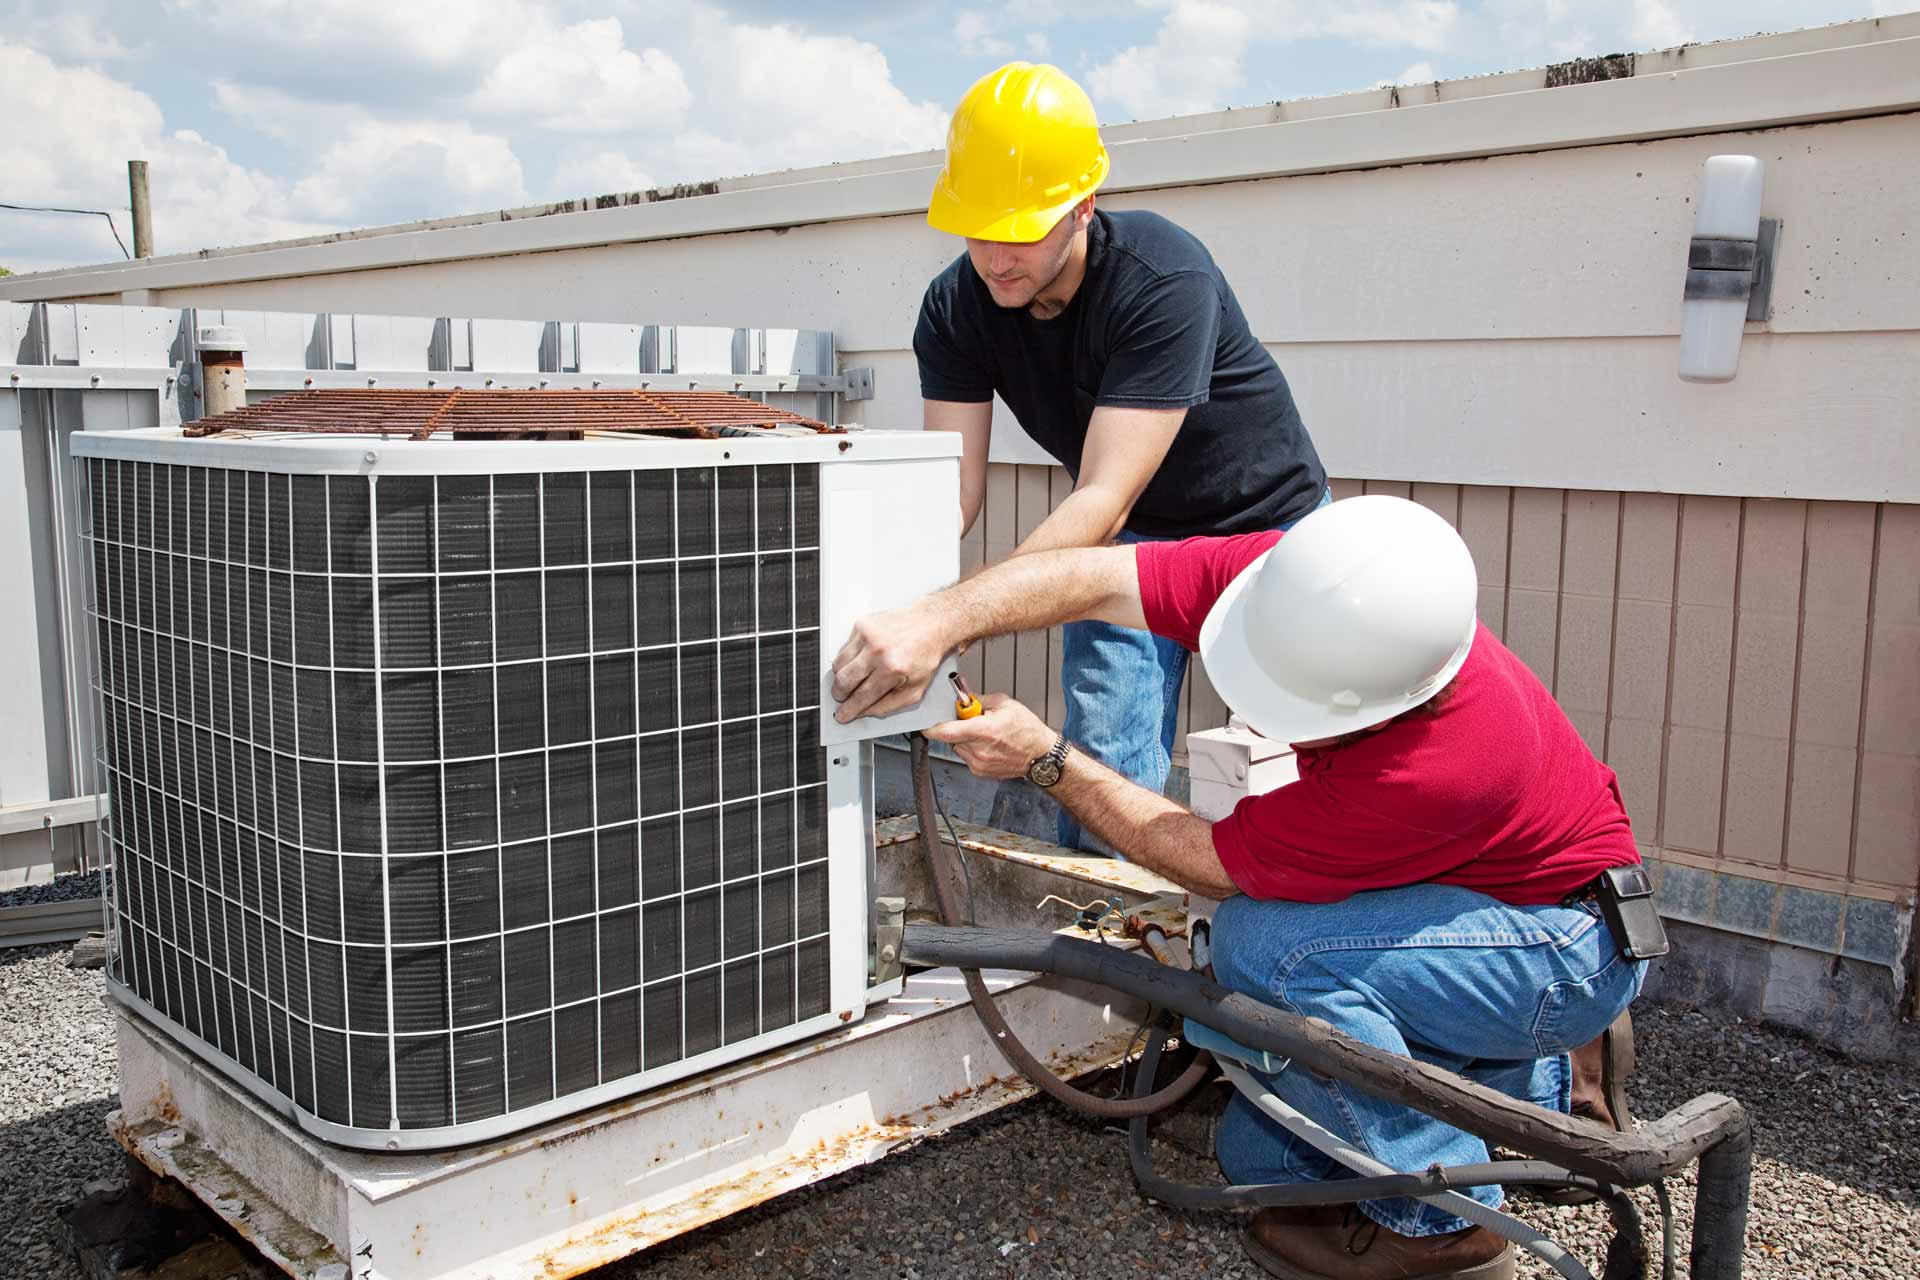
(859,384)
(1760,301)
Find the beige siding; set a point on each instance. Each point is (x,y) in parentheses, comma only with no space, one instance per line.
(1749,667)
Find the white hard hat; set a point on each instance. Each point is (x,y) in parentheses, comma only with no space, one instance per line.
(1364,610)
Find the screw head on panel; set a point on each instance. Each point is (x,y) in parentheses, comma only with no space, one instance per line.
(372,456)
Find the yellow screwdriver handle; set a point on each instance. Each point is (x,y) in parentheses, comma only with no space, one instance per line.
(965,705)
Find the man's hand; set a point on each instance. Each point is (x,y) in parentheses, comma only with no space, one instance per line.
(888,661)
(1000,742)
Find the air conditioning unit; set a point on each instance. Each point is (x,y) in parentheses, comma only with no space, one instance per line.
(454,785)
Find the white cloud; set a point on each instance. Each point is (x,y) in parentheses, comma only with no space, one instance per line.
(1197,57)
(385,171)
(1656,26)
(974,35)
(441,34)
(1193,62)
(72,36)
(1037,44)
(1427,25)
(583,79)
(587,172)
(777,97)
(1418,73)
(76,156)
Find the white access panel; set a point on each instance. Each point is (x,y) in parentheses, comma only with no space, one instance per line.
(889,533)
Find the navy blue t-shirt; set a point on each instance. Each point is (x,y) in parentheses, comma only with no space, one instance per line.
(1154,325)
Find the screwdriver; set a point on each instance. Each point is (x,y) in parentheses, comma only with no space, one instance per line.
(965,705)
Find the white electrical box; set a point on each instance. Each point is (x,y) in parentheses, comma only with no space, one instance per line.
(1230,763)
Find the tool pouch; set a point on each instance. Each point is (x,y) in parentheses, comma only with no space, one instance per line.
(1625,897)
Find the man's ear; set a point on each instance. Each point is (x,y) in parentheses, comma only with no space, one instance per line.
(1083,214)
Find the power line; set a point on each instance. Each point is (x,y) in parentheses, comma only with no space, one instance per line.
(98,213)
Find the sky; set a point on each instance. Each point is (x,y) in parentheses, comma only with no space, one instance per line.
(266,119)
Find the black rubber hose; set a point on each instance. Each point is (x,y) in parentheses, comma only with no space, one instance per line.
(1711,1127)
(946,893)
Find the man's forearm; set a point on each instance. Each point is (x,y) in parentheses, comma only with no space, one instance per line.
(1032,592)
(1087,517)
(1145,828)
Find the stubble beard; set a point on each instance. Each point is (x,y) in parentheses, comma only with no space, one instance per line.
(1028,302)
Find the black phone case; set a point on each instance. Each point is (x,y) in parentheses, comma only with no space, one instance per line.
(1626,902)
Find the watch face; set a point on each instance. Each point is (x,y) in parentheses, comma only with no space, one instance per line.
(1044,772)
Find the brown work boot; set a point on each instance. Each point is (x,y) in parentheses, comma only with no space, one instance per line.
(1600,1070)
(1338,1242)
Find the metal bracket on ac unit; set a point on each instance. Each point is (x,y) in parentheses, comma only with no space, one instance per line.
(857,384)
(889,931)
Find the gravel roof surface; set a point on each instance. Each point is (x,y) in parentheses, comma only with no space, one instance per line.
(1036,1191)
(65,888)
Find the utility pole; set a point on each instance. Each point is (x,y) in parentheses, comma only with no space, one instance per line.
(142,212)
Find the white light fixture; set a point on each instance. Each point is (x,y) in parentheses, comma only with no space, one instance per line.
(1728,269)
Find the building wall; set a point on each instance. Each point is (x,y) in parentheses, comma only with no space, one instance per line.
(1506,320)
(1750,667)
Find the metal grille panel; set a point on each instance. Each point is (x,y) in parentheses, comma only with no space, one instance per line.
(438,798)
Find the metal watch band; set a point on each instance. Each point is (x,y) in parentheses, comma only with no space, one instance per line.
(1045,770)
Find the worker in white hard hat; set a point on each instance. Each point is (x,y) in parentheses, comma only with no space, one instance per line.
(1119,348)
(1434,882)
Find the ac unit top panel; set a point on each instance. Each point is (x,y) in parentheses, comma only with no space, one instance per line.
(314,454)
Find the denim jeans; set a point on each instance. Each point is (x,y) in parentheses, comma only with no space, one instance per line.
(1496,993)
(1122,689)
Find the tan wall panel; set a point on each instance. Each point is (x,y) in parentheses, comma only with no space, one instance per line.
(1059,485)
(1208,710)
(1583,663)
(1760,715)
(1441,499)
(1642,645)
(1033,502)
(1832,669)
(1533,579)
(1000,518)
(1887,809)
(973,555)
(1702,663)
(1485,519)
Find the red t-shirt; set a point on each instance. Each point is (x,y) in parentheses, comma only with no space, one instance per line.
(1495,792)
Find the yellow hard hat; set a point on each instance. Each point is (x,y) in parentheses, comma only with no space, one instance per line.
(1022,149)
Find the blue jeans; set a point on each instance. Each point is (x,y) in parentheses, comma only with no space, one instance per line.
(1496,993)
(1122,689)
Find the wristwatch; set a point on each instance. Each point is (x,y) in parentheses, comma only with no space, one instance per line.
(1045,770)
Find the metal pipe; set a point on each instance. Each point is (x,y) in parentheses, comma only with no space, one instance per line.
(223,370)
(1720,1206)
(142,208)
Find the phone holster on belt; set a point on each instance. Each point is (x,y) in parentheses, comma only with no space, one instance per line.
(1625,895)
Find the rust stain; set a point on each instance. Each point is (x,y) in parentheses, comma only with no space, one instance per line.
(565,413)
(1109,873)
(629,1233)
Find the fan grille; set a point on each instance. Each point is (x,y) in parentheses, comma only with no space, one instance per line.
(438,798)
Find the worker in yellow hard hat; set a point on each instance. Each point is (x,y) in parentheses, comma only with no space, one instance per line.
(1116,342)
